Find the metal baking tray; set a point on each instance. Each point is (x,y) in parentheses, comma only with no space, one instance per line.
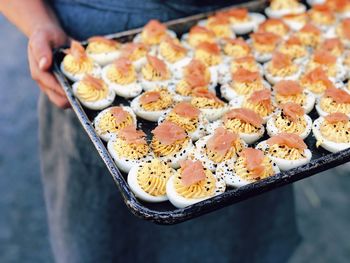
(165,213)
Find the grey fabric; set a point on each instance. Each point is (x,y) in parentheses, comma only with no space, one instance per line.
(88,221)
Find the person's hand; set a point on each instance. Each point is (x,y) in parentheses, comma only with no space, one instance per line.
(40,46)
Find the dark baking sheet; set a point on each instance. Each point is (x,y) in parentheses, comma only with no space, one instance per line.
(165,213)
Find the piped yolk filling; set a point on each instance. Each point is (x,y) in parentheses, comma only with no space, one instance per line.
(89,93)
(114,75)
(282,72)
(331,70)
(309,39)
(327,104)
(297,98)
(294,51)
(205,103)
(284,4)
(152,177)
(321,18)
(161,150)
(130,150)
(74,66)
(285,152)
(137,54)
(239,126)
(184,89)
(338,132)
(276,29)
(220,30)
(284,124)
(151,74)
(247,88)
(216,157)
(169,54)
(151,40)
(235,51)
(201,189)
(97,47)
(239,20)
(317,87)
(164,102)
(263,48)
(188,124)
(195,39)
(108,123)
(241,170)
(207,58)
(258,108)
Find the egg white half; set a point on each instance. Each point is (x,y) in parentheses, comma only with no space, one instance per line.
(246,27)
(104,58)
(284,164)
(181,202)
(275,79)
(325,143)
(280,13)
(109,135)
(96,72)
(95,105)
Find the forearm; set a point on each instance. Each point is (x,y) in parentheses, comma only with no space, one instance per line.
(28,15)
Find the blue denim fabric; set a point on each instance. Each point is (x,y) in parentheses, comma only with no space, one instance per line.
(88,221)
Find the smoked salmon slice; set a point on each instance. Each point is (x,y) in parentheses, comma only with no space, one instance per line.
(318,74)
(123,65)
(119,114)
(261,96)
(211,48)
(280,60)
(168,133)
(265,38)
(201,30)
(246,76)
(292,110)
(254,159)
(288,88)
(150,96)
(192,172)
(186,109)
(245,115)
(240,13)
(158,65)
(290,140)
(154,28)
(204,93)
(221,141)
(324,57)
(310,28)
(96,83)
(336,117)
(76,50)
(175,46)
(338,95)
(131,135)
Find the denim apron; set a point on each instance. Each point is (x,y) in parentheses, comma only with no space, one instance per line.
(88,221)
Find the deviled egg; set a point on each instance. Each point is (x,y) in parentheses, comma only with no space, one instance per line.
(332,132)
(193,183)
(343,31)
(148,180)
(129,148)
(276,26)
(322,16)
(333,100)
(171,143)
(77,63)
(295,21)
(287,150)
(333,45)
(290,118)
(279,8)
(209,54)
(281,67)
(136,52)
(197,35)
(263,45)
(220,25)
(153,104)
(316,81)
(310,35)
(187,117)
(252,165)
(93,93)
(218,147)
(294,48)
(111,120)
(121,77)
(103,50)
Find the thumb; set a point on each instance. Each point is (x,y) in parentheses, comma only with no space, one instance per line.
(40,45)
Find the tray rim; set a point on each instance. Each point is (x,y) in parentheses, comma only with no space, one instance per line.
(228,197)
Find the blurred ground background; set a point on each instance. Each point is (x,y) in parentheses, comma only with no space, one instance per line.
(323,202)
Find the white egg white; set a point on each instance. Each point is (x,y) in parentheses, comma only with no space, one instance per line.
(294,25)
(172,89)
(325,143)
(125,164)
(229,93)
(199,153)
(144,114)
(248,138)
(225,170)
(180,202)
(201,128)
(151,85)
(274,79)
(273,130)
(96,72)
(109,135)
(95,105)
(259,57)
(246,27)
(315,2)
(138,191)
(284,164)
(280,13)
(104,58)
(320,111)
(126,91)
(177,67)
(214,114)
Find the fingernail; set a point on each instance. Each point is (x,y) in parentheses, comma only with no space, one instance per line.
(42,63)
